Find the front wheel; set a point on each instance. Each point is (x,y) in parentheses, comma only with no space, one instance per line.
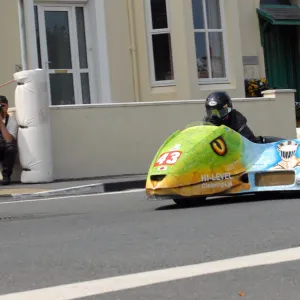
(189,202)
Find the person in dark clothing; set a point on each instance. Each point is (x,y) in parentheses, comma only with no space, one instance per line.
(8,142)
(220,111)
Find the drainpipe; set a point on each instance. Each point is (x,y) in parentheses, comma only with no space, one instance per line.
(22,34)
(133,51)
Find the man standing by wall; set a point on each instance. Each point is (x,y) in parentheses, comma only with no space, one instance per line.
(8,140)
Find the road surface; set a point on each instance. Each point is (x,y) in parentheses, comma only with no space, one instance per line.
(75,246)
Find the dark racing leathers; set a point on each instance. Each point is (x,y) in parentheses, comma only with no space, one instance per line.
(236,121)
(8,153)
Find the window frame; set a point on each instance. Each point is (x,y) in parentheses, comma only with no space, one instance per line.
(74,43)
(210,80)
(150,33)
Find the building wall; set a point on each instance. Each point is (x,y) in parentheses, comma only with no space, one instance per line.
(184,57)
(119,53)
(10,51)
(137,130)
(250,38)
(125,22)
(129,149)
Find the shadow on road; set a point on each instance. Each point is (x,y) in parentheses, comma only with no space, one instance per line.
(264,196)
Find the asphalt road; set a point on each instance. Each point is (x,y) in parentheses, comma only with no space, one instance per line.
(56,242)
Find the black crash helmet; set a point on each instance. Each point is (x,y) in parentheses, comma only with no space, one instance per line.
(215,105)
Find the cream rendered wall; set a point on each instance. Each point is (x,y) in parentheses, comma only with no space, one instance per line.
(183,47)
(118,39)
(147,93)
(119,51)
(10,49)
(137,130)
(250,37)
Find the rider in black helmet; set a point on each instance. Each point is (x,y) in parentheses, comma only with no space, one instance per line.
(220,112)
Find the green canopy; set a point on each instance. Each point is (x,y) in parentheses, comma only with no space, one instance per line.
(280,14)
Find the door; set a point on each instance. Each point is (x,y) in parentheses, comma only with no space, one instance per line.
(64,54)
(282,57)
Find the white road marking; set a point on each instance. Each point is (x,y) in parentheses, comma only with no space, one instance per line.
(72,196)
(114,284)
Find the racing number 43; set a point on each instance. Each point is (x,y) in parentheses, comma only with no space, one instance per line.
(168,158)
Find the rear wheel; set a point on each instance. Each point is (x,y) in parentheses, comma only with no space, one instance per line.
(189,202)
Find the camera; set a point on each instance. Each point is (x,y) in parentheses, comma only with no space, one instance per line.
(1,110)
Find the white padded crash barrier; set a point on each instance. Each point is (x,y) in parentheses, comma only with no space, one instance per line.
(34,135)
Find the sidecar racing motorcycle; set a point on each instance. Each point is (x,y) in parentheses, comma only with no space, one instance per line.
(205,160)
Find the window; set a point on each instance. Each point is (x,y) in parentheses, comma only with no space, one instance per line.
(62,51)
(159,37)
(209,41)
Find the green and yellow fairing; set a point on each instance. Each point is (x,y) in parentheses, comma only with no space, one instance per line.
(198,161)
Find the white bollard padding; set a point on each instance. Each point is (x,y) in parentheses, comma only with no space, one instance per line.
(34,134)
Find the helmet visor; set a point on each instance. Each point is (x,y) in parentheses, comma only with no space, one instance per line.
(219,113)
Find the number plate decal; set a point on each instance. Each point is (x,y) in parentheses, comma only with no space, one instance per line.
(168,158)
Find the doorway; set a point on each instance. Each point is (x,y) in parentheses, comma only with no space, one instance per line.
(62,43)
(279,22)
(281,52)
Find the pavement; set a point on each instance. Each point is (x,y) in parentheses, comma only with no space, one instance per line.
(73,187)
(74,247)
